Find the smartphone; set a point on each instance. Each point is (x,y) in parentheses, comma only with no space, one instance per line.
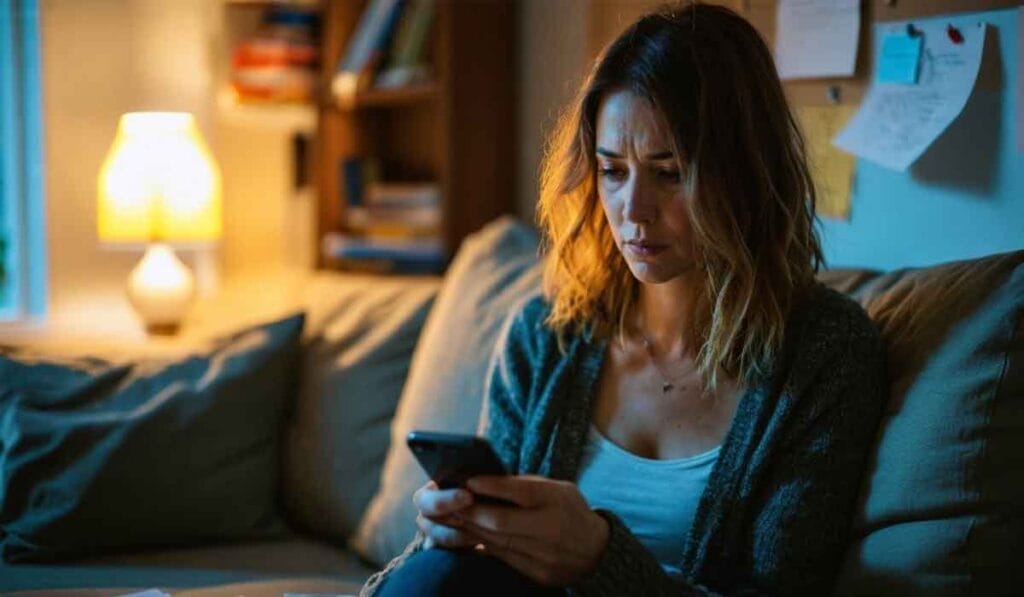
(452,458)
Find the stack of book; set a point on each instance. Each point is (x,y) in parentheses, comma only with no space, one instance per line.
(278,62)
(393,227)
(388,48)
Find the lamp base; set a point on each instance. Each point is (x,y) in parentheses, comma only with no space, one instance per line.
(161,289)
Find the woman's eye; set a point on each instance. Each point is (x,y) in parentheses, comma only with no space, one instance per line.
(669,175)
(612,173)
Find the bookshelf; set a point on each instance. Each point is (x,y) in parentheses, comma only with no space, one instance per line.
(457,130)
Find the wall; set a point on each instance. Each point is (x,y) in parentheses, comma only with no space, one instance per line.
(553,58)
(964,197)
(102,58)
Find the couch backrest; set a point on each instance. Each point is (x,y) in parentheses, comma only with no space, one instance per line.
(942,510)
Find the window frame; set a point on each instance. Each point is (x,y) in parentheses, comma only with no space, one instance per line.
(22,210)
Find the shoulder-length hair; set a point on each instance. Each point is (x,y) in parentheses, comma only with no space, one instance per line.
(710,75)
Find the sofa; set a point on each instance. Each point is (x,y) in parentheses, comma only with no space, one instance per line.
(272,460)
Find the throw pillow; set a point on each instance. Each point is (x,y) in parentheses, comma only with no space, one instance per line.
(942,509)
(96,455)
(494,270)
(361,333)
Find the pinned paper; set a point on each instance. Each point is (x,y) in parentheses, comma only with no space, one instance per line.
(816,38)
(901,55)
(896,123)
(831,169)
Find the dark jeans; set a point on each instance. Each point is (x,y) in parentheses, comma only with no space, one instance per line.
(459,573)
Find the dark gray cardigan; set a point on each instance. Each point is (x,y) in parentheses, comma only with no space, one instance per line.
(776,512)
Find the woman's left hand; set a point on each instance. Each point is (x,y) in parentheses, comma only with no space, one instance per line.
(550,535)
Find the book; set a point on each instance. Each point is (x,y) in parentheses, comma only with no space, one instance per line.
(391,255)
(354,175)
(406,63)
(366,47)
(403,194)
(417,220)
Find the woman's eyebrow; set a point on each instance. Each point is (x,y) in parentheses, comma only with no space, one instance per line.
(657,156)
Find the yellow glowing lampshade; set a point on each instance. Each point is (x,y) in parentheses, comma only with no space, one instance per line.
(159,182)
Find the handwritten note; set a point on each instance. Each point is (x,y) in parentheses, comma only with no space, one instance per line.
(816,38)
(896,123)
(831,169)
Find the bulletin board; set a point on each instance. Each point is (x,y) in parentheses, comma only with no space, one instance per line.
(609,17)
(964,197)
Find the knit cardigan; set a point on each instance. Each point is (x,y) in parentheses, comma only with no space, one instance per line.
(775,516)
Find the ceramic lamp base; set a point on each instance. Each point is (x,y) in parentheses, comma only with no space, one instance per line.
(161,289)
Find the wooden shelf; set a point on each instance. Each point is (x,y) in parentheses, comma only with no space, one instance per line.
(457,129)
(400,96)
(293,117)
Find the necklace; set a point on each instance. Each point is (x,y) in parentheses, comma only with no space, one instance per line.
(667,384)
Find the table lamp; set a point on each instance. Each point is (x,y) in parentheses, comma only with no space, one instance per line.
(159,184)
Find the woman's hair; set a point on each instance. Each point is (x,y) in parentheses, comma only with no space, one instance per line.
(709,74)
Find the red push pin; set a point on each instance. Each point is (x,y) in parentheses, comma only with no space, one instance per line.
(954,34)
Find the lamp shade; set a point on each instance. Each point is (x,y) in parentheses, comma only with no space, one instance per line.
(159,182)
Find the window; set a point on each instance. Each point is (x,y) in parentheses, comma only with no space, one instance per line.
(22,217)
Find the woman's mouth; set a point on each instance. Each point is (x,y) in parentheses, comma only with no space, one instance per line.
(645,248)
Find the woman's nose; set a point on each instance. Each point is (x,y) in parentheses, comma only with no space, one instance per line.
(640,204)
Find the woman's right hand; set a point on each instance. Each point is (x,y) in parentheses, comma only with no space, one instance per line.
(439,516)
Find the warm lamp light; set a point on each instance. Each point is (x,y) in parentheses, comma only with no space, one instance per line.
(159,184)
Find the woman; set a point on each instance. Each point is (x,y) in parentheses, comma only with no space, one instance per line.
(687,410)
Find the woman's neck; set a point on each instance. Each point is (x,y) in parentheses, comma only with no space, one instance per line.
(663,316)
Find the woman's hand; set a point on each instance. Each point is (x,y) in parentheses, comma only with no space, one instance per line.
(439,512)
(551,535)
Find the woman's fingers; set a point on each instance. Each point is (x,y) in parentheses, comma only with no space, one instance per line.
(445,536)
(434,502)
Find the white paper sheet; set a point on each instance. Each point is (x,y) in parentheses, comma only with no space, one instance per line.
(896,123)
(816,38)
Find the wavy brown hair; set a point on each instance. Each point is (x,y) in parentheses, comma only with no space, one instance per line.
(710,75)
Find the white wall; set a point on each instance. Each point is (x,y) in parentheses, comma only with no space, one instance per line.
(100,59)
(552,61)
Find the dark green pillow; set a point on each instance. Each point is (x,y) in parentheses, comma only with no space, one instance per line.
(97,455)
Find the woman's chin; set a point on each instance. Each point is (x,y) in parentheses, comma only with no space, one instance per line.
(646,272)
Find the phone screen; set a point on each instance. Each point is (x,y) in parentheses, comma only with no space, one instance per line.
(449,459)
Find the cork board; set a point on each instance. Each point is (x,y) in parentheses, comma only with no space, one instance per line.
(609,17)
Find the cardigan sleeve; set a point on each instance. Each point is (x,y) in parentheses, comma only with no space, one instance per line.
(509,382)
(801,512)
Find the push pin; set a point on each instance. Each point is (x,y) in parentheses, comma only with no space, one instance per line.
(832,94)
(954,34)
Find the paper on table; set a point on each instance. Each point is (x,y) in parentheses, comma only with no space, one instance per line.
(831,168)
(896,123)
(816,38)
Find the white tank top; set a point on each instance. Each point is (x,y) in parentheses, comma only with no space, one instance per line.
(656,499)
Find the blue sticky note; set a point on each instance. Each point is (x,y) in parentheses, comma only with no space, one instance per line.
(901,54)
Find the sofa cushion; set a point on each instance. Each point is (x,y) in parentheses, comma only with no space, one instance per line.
(494,270)
(215,564)
(942,508)
(97,455)
(360,336)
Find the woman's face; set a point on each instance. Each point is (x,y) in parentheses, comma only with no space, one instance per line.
(641,190)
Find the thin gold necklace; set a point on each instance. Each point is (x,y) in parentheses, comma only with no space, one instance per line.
(667,383)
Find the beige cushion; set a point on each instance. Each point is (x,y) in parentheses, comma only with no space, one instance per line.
(942,510)
(495,269)
(361,333)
